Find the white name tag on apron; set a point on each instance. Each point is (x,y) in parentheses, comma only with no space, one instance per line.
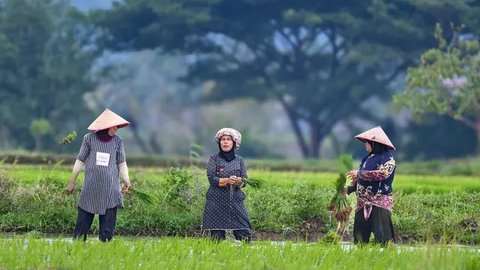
(102,159)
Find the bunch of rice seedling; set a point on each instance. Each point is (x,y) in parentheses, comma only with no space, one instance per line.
(69,138)
(339,206)
(254,182)
(144,197)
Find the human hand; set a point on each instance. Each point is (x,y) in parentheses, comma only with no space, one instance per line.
(237,181)
(232,180)
(223,182)
(70,188)
(353,174)
(127,187)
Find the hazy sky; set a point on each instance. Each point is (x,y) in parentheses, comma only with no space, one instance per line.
(91,4)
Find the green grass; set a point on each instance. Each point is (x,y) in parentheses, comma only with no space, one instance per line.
(292,205)
(403,183)
(187,253)
(469,166)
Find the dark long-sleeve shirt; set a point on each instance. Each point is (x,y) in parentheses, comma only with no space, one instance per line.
(224,207)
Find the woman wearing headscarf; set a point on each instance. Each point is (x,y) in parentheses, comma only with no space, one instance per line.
(224,207)
(103,156)
(372,183)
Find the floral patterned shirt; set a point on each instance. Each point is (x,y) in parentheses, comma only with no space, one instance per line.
(374,183)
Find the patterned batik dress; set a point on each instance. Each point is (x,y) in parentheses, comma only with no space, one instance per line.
(224,207)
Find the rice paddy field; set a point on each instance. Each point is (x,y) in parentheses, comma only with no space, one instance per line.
(435,217)
(188,253)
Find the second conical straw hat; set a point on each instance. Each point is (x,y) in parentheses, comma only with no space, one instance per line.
(106,120)
(375,134)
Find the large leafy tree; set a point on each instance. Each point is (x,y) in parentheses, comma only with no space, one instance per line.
(46,55)
(322,60)
(447,81)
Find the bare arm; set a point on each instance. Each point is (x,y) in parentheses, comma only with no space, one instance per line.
(124,174)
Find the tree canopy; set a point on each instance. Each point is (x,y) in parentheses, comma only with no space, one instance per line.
(322,60)
(447,81)
(44,68)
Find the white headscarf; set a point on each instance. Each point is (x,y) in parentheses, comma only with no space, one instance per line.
(236,136)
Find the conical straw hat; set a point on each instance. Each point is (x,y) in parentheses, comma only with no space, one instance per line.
(106,120)
(375,134)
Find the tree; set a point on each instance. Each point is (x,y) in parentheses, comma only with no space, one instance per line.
(45,65)
(39,128)
(320,59)
(427,139)
(447,81)
(142,87)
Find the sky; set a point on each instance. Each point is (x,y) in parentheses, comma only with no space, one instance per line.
(86,5)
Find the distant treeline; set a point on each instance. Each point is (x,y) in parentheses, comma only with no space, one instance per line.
(331,68)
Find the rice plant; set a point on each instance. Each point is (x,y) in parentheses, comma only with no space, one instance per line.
(195,253)
(339,206)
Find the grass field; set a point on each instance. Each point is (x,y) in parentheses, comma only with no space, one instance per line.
(292,205)
(469,166)
(403,183)
(187,253)
(430,211)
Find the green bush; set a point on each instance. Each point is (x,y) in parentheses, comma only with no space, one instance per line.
(178,188)
(288,210)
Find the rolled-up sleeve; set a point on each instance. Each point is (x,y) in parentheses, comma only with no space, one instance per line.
(212,172)
(84,149)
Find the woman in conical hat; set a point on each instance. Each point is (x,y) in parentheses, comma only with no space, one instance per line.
(103,156)
(224,207)
(372,183)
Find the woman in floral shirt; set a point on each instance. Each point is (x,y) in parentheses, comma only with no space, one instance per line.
(372,183)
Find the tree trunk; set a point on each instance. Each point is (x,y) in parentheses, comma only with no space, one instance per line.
(315,139)
(38,144)
(294,119)
(140,141)
(309,149)
(155,146)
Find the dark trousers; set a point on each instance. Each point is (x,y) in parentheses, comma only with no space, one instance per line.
(379,222)
(106,223)
(241,235)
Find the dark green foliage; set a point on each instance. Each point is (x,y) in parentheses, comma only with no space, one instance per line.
(293,211)
(47,52)
(321,60)
(178,187)
(446,81)
(6,187)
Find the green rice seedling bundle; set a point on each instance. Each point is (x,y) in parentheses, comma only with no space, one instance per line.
(254,182)
(142,196)
(339,206)
(69,138)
